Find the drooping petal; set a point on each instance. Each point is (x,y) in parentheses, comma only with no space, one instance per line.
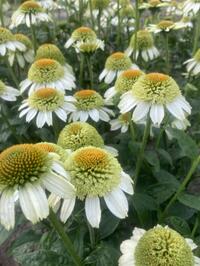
(7,209)
(67,208)
(93,211)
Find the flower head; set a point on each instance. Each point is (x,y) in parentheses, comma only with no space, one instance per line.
(123,83)
(191,7)
(122,122)
(50,51)
(79,134)
(8,93)
(42,103)
(152,4)
(193,64)
(153,92)
(28,170)
(29,12)
(115,64)
(100,4)
(162,26)
(159,246)
(47,73)
(89,46)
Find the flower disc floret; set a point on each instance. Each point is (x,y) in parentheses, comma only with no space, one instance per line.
(52,147)
(100,4)
(50,51)
(126,80)
(163,246)
(93,171)
(84,34)
(88,99)
(22,163)
(118,61)
(24,39)
(45,71)
(197,55)
(79,134)
(30,7)
(156,88)
(164,24)
(144,40)
(5,35)
(46,99)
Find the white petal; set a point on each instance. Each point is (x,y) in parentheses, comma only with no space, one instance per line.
(66,209)
(140,111)
(7,209)
(157,113)
(93,211)
(94,114)
(175,110)
(110,76)
(126,183)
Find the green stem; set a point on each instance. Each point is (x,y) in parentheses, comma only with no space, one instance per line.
(196,34)
(132,129)
(65,238)
(82,59)
(12,73)
(141,152)
(91,14)
(137,25)
(80,12)
(33,36)
(162,130)
(1,13)
(167,55)
(99,22)
(119,24)
(182,186)
(92,236)
(89,63)
(196,225)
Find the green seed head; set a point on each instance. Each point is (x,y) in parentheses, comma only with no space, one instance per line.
(127,11)
(2,87)
(144,40)
(84,34)
(46,99)
(24,39)
(52,147)
(118,61)
(93,171)
(45,71)
(164,24)
(100,4)
(88,99)
(156,88)
(162,246)
(50,51)
(23,163)
(6,35)
(88,47)
(126,80)
(79,134)
(30,7)
(197,55)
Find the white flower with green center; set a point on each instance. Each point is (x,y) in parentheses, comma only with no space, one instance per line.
(191,7)
(127,14)
(82,34)
(26,172)
(123,83)
(144,46)
(29,12)
(22,56)
(153,4)
(115,64)
(51,51)
(193,64)
(162,26)
(96,175)
(159,246)
(89,104)
(8,42)
(80,134)
(185,22)
(89,46)
(41,104)
(8,93)
(122,123)
(154,94)
(47,73)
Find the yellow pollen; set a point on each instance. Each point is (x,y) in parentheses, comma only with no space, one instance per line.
(157,77)
(84,29)
(30,4)
(91,157)
(46,147)
(131,73)
(125,117)
(84,93)
(118,55)
(46,93)
(45,62)
(165,23)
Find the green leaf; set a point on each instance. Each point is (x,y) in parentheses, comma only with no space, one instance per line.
(165,156)
(153,159)
(179,224)
(144,202)
(190,200)
(4,234)
(162,192)
(108,224)
(164,177)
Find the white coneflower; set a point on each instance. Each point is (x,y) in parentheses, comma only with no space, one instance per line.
(96,175)
(193,64)
(144,46)
(89,104)
(123,83)
(89,46)
(80,134)
(153,4)
(47,73)
(185,22)
(162,26)
(29,12)
(51,51)
(122,123)
(22,56)
(155,93)
(8,93)
(8,42)
(25,172)
(191,7)
(41,104)
(115,64)
(159,246)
